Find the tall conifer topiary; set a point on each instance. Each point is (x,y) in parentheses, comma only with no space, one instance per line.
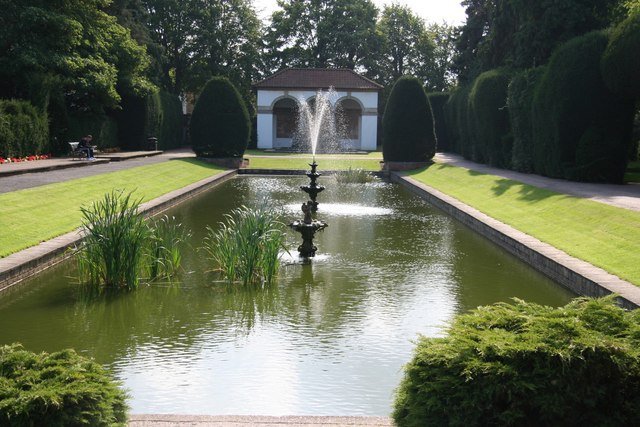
(220,125)
(407,125)
(621,59)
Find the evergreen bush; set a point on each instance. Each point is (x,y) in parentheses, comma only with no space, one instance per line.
(132,120)
(621,59)
(171,129)
(520,102)
(407,124)
(437,101)
(490,118)
(24,130)
(458,129)
(526,364)
(57,389)
(102,127)
(220,125)
(572,99)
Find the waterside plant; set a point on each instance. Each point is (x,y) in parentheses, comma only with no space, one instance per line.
(246,247)
(166,239)
(526,364)
(354,176)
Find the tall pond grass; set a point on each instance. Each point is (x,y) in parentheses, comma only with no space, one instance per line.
(119,247)
(247,245)
(354,176)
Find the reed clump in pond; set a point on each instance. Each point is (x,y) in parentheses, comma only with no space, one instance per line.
(119,247)
(246,247)
(354,176)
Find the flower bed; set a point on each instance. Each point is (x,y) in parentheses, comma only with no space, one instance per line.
(25,159)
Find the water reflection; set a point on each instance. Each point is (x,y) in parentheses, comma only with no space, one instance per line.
(328,338)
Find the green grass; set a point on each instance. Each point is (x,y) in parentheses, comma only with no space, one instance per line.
(28,217)
(603,235)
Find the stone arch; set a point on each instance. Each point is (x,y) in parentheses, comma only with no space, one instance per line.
(351,110)
(284,120)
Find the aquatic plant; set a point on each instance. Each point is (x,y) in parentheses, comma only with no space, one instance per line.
(115,235)
(246,247)
(57,389)
(354,176)
(166,238)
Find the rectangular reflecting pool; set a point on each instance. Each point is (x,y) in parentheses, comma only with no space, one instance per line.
(330,337)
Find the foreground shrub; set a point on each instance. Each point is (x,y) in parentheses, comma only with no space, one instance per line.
(526,364)
(57,389)
(437,101)
(490,118)
(24,130)
(519,102)
(573,111)
(621,59)
(246,247)
(220,125)
(407,125)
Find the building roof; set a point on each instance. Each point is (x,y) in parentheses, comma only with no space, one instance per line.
(318,78)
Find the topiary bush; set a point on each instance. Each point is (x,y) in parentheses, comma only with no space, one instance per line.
(456,113)
(171,129)
(621,59)
(57,389)
(572,99)
(519,103)
(407,124)
(490,118)
(437,101)
(24,130)
(220,125)
(526,364)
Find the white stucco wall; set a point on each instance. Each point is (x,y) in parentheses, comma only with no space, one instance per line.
(368,124)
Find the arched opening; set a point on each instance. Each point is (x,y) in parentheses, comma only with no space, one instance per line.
(351,120)
(284,117)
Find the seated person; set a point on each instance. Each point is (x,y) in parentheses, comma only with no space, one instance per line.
(85,145)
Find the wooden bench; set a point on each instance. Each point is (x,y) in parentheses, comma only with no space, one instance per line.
(79,153)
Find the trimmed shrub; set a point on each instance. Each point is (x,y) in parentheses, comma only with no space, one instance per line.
(171,130)
(490,118)
(519,102)
(572,99)
(57,389)
(24,130)
(437,101)
(621,59)
(220,125)
(407,124)
(102,127)
(132,120)
(526,364)
(457,111)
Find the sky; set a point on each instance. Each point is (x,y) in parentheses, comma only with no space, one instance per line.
(433,11)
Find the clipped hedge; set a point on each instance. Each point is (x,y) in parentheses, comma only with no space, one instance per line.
(621,59)
(526,364)
(220,124)
(170,134)
(57,389)
(582,130)
(519,103)
(490,118)
(456,114)
(24,130)
(437,101)
(102,127)
(407,124)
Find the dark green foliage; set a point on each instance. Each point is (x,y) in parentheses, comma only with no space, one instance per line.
(458,129)
(519,102)
(437,101)
(572,99)
(57,389)
(490,118)
(407,124)
(102,127)
(220,125)
(131,123)
(526,364)
(621,59)
(171,128)
(24,129)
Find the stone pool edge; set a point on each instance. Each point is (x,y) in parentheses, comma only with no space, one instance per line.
(17,267)
(577,275)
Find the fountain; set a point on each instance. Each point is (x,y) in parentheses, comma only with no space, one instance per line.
(313,188)
(308,228)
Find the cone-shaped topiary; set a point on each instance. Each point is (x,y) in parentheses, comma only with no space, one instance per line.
(407,125)
(220,125)
(621,58)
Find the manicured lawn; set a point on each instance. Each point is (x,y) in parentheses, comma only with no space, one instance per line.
(603,235)
(28,217)
(270,160)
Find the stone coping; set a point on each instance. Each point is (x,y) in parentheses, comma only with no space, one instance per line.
(21,265)
(577,275)
(149,420)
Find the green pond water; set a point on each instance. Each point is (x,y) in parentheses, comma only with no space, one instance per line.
(329,338)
